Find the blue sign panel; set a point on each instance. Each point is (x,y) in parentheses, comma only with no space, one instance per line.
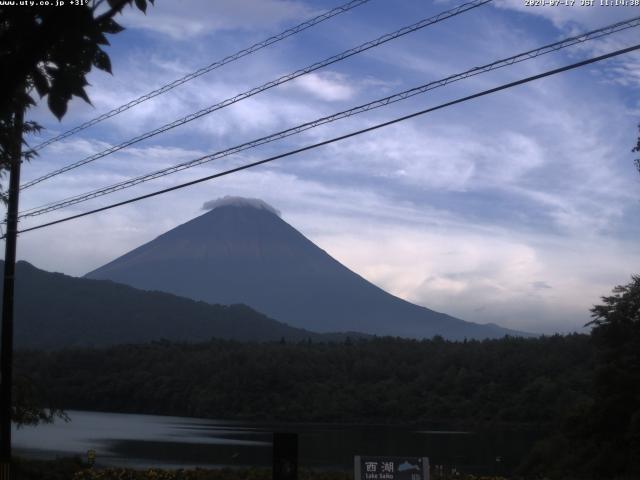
(391,468)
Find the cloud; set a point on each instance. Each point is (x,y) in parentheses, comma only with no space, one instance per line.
(442,157)
(329,86)
(484,276)
(184,20)
(233,201)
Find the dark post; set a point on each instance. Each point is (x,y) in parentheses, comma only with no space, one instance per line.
(6,340)
(285,456)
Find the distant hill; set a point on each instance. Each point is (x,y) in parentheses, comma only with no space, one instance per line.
(53,310)
(241,251)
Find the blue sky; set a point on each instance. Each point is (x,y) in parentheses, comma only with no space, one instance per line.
(520,208)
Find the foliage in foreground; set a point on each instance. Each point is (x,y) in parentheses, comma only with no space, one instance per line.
(74,469)
(600,439)
(195,474)
(228,474)
(49,51)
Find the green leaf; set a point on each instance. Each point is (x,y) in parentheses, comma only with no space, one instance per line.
(80,92)
(40,82)
(101,39)
(111,26)
(142,5)
(57,104)
(101,60)
(29,101)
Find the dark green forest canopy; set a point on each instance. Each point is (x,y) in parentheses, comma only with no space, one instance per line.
(514,382)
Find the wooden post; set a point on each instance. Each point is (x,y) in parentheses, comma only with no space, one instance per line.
(285,456)
(6,340)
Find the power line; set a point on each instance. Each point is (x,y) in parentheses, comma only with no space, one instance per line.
(594,34)
(273,83)
(342,137)
(231,58)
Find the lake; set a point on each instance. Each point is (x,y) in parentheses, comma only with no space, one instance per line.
(144,441)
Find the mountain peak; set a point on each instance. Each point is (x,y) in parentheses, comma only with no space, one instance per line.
(232,201)
(243,252)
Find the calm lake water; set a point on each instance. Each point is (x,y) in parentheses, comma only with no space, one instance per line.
(174,442)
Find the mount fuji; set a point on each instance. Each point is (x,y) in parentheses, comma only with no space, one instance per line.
(242,251)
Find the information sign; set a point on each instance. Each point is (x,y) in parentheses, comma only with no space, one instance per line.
(391,468)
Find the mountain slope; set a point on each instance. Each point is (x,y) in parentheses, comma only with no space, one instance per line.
(53,310)
(243,252)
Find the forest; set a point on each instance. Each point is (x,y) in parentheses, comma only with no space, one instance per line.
(510,382)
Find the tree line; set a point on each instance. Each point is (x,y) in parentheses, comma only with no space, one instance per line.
(513,381)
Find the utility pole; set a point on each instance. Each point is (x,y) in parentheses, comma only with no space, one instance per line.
(6,340)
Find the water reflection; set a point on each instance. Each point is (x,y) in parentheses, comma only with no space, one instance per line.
(174,442)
